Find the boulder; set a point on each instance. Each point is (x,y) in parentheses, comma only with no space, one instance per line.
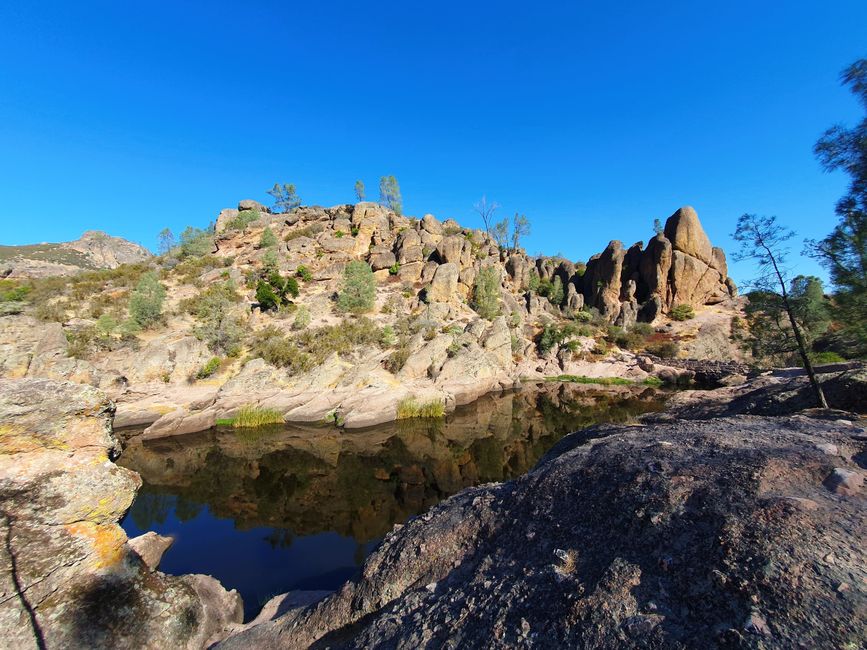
(408,247)
(381,258)
(224,219)
(150,547)
(518,267)
(450,249)
(431,224)
(574,300)
(444,285)
(684,231)
(250,204)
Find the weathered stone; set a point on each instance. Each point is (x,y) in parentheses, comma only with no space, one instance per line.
(74,582)
(519,268)
(603,280)
(451,248)
(684,231)
(444,285)
(150,547)
(574,300)
(430,223)
(654,266)
(492,551)
(381,258)
(250,204)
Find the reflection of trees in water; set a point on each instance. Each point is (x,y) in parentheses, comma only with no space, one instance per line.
(279,538)
(150,509)
(360,484)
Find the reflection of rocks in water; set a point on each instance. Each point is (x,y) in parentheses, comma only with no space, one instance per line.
(305,480)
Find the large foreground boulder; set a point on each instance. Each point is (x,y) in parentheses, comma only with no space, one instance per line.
(723,533)
(68,578)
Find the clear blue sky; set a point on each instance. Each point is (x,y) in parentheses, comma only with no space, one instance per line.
(592,118)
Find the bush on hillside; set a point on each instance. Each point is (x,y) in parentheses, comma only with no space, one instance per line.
(682,313)
(358,293)
(486,293)
(146,301)
(196,242)
(268,238)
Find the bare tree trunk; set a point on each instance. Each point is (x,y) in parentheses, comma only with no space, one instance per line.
(799,337)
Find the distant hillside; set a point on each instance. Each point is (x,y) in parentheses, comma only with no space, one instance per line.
(94,250)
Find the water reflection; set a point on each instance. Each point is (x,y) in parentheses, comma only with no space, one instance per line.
(270,510)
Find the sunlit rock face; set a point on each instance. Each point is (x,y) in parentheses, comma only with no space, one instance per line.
(679,266)
(69,578)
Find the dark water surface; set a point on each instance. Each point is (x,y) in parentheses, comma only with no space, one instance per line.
(271,510)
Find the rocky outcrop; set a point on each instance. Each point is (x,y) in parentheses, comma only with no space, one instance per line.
(732,532)
(679,266)
(69,577)
(94,250)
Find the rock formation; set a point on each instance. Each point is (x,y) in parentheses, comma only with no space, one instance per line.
(679,266)
(70,578)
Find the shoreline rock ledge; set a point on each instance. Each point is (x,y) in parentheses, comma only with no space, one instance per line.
(69,578)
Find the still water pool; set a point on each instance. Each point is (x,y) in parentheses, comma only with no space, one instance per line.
(271,510)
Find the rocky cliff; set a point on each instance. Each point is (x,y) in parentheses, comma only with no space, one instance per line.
(423,339)
(94,250)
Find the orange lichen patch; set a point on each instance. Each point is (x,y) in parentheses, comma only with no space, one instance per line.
(107,541)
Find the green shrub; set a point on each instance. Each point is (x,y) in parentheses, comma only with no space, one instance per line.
(216,325)
(358,292)
(409,407)
(635,338)
(388,337)
(13,291)
(533,282)
(266,296)
(196,242)
(682,313)
(394,269)
(551,335)
(268,238)
(828,357)
(270,262)
(274,290)
(277,349)
(304,273)
(209,368)
(339,234)
(146,301)
(486,293)
(557,293)
(244,219)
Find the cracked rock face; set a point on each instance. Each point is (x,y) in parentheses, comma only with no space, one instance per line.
(716,533)
(67,575)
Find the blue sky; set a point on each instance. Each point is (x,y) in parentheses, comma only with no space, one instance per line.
(591,118)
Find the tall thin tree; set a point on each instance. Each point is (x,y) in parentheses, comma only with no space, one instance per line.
(486,212)
(763,240)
